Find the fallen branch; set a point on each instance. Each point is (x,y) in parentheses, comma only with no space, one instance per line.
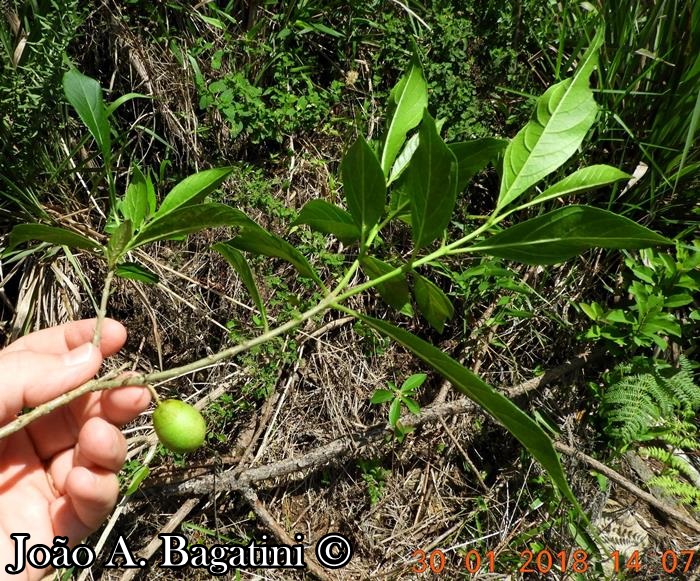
(342,447)
(351,445)
(622,481)
(269,521)
(156,542)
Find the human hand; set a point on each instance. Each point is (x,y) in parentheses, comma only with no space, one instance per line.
(58,475)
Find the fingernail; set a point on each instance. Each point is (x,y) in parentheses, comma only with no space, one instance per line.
(79,355)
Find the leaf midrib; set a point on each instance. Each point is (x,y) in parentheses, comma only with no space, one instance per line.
(394,119)
(532,152)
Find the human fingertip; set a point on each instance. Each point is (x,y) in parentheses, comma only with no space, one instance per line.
(123,404)
(80,355)
(114,335)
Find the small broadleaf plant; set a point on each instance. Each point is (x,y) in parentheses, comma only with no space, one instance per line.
(400,397)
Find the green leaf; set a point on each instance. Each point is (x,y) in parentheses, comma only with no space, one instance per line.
(364,185)
(642,272)
(52,234)
(395,290)
(400,202)
(193,189)
(330,219)
(215,22)
(403,159)
(114,105)
(413,382)
(134,271)
(85,95)
(660,323)
(255,239)
(517,422)
(431,183)
(139,476)
(473,156)
(432,302)
(381,396)
(587,178)
(395,412)
(187,220)
(140,199)
(678,300)
(617,316)
(407,101)
(118,242)
(562,117)
(593,311)
(412,405)
(240,265)
(407,152)
(566,232)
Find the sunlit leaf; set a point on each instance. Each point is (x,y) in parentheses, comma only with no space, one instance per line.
(85,95)
(140,200)
(193,189)
(139,476)
(394,412)
(187,220)
(412,405)
(404,158)
(381,396)
(413,382)
(582,180)
(566,232)
(562,117)
(407,101)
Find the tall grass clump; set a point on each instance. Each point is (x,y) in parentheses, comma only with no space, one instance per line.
(34,37)
(649,89)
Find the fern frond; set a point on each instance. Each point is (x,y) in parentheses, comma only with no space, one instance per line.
(629,407)
(647,393)
(669,459)
(683,491)
(683,438)
(679,383)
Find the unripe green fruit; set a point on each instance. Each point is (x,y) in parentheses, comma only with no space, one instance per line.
(179,426)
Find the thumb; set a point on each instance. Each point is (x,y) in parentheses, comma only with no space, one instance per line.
(29,379)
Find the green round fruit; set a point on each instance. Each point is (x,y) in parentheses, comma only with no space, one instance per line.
(179,426)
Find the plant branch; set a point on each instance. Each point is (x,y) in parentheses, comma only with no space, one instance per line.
(282,536)
(435,255)
(102,312)
(331,300)
(340,447)
(149,378)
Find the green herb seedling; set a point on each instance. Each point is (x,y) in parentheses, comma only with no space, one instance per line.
(403,396)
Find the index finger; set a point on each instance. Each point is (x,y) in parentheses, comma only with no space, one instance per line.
(64,338)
